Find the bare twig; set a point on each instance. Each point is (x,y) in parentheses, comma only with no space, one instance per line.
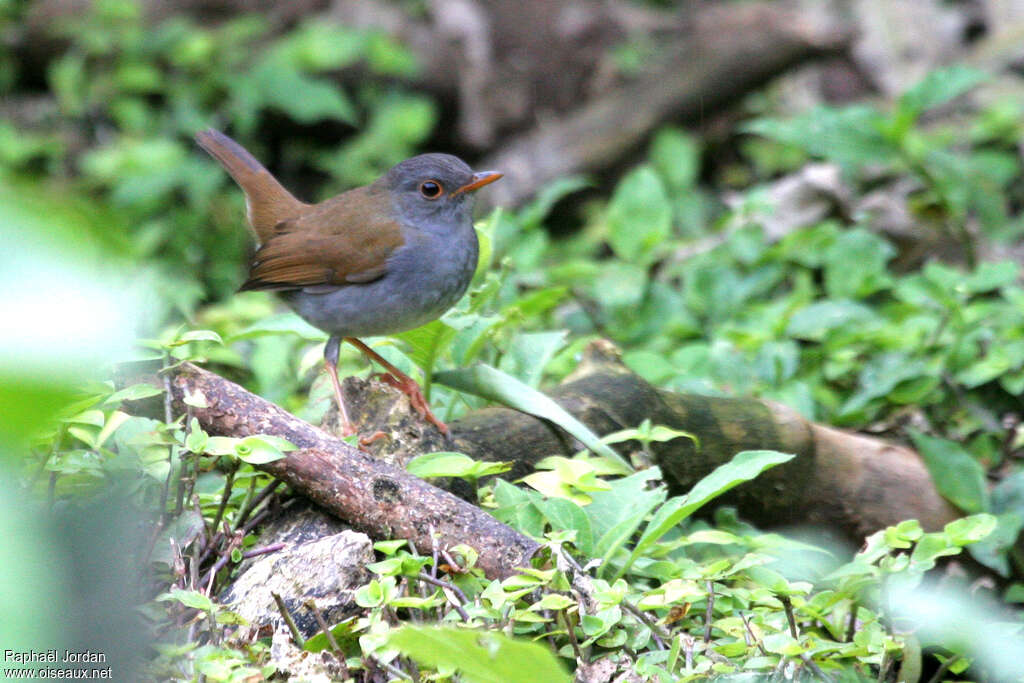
(822,676)
(455,590)
(709,612)
(254,501)
(283,609)
(229,481)
(272,548)
(788,605)
(751,637)
(951,659)
(322,623)
(570,631)
(851,624)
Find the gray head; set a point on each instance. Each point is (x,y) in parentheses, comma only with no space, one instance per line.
(435,189)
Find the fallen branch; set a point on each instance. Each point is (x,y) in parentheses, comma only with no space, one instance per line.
(371,495)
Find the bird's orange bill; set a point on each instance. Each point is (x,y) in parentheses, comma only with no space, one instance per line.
(479,180)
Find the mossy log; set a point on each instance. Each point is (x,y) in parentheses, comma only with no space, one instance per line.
(853,484)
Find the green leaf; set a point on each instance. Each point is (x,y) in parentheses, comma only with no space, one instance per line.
(529,353)
(939,87)
(322,46)
(993,549)
(639,215)
(565,514)
(494,385)
(881,376)
(990,276)
(262,448)
(676,156)
(815,321)
(617,514)
(850,136)
(855,264)
(970,529)
(197,439)
(427,343)
(275,80)
(447,464)
(286,323)
(552,601)
(197,335)
(479,657)
(135,392)
(193,599)
(745,466)
(998,360)
(957,475)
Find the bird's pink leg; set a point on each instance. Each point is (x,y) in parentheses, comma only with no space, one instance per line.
(403,382)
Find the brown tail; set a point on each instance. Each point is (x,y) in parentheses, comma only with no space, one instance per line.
(268,202)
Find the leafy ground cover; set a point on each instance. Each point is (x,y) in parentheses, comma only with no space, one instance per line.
(145,235)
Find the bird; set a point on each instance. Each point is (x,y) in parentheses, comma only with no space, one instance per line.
(373,261)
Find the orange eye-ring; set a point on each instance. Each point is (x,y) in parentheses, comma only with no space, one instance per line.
(431,189)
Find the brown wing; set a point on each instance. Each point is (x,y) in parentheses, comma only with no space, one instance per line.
(344,240)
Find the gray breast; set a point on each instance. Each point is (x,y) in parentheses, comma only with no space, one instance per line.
(425,277)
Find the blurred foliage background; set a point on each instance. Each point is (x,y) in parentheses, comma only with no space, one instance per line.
(843,240)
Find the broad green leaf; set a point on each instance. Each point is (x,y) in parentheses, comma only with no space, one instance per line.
(479,657)
(344,635)
(565,514)
(197,335)
(990,276)
(136,392)
(321,46)
(676,156)
(970,529)
(940,86)
(639,215)
(262,448)
(529,353)
(615,515)
(193,599)
(850,136)
(276,80)
(427,343)
(552,601)
(881,376)
(815,321)
(745,466)
(855,264)
(447,464)
(999,359)
(957,475)
(494,385)
(994,547)
(285,323)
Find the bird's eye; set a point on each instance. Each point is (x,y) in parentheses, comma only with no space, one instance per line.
(431,189)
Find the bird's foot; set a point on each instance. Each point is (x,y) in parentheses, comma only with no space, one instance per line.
(410,388)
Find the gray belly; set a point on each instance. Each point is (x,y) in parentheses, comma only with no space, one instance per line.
(424,280)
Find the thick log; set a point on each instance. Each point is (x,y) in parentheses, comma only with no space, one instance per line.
(849,482)
(373,496)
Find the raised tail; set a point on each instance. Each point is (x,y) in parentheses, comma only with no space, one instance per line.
(267,200)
